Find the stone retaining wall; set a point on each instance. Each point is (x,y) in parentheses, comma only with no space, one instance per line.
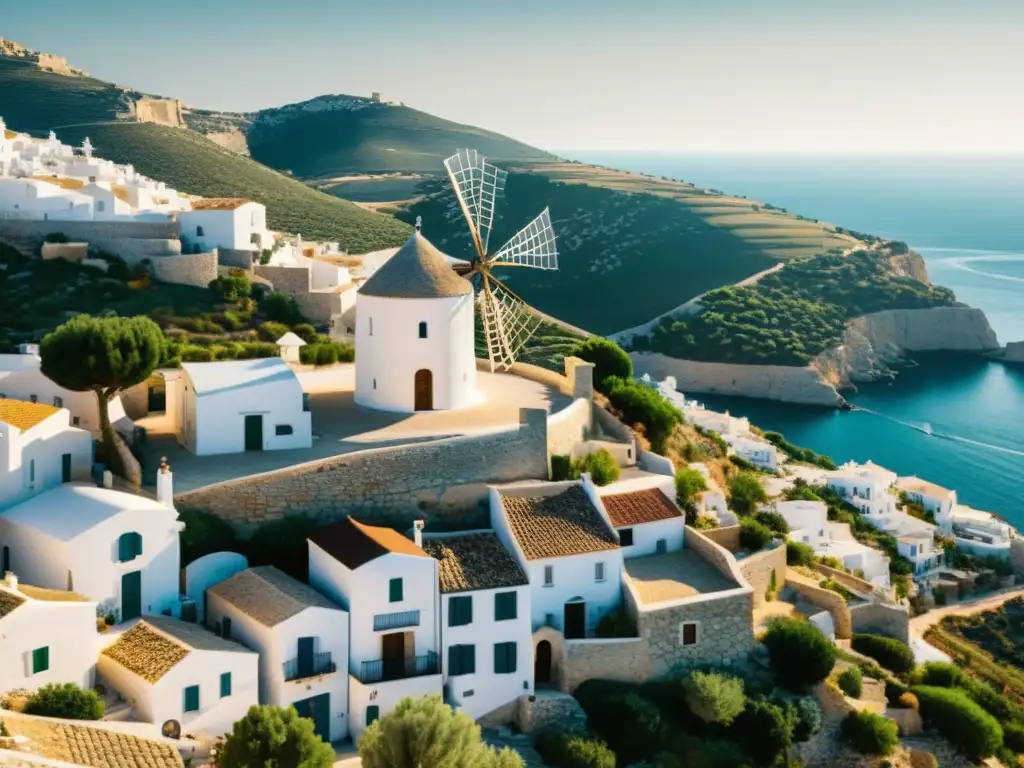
(569,427)
(716,555)
(757,569)
(236,258)
(197,269)
(881,619)
(727,536)
(825,599)
(446,477)
(550,709)
(626,660)
(131,240)
(848,580)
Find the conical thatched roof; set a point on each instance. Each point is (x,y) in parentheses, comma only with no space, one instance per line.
(417,271)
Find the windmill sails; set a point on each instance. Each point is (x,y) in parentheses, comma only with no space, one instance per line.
(478,184)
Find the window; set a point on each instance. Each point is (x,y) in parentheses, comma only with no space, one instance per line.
(374,383)
(5,560)
(549,575)
(371,326)
(65,468)
(129,546)
(192,698)
(688,633)
(461,660)
(33,398)
(101,206)
(225,684)
(626,537)
(504,658)
(598,571)
(283,429)
(40,659)
(661,547)
(225,628)
(75,421)
(199,232)
(58,402)
(505,606)
(460,610)
(32,470)
(395,590)
(305,402)
(372,714)
(423,330)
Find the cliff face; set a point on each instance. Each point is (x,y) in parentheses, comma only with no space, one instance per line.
(910,265)
(873,343)
(1013,352)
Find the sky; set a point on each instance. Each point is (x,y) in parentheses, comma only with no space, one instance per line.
(625,75)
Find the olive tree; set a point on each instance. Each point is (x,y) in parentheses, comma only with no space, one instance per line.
(273,737)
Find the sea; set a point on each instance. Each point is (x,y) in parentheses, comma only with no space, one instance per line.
(954,420)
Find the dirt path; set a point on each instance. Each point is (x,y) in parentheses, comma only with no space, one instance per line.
(920,624)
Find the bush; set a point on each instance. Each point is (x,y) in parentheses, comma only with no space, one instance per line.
(713,697)
(282,308)
(870,733)
(908,701)
(689,483)
(891,654)
(282,543)
(940,674)
(644,406)
(989,699)
(570,750)
(561,467)
(629,723)
(961,721)
(753,536)
(765,729)
(772,520)
(601,465)
(740,463)
(231,288)
(809,718)
(798,553)
(271,331)
(609,359)
(705,522)
(894,689)
(745,493)
(326,353)
(204,533)
(65,700)
(800,654)
(939,595)
(1013,736)
(306,332)
(851,682)
(274,736)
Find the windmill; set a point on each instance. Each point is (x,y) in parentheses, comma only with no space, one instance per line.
(508,321)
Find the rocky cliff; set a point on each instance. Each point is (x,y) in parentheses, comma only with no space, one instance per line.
(910,264)
(45,61)
(1013,352)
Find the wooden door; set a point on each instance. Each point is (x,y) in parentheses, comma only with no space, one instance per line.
(424,390)
(254,432)
(575,621)
(394,655)
(131,595)
(317,709)
(305,657)
(542,664)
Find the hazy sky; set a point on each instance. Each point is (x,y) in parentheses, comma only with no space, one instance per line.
(655,75)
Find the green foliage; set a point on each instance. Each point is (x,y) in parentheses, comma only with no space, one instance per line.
(740,463)
(988,698)
(231,288)
(609,359)
(601,465)
(799,553)
(1013,736)
(705,522)
(56,237)
(809,717)
(713,697)
(801,493)
(870,733)
(616,623)
(327,353)
(745,493)
(800,654)
(283,543)
(65,700)
(282,308)
(271,331)
(766,730)
(851,682)
(561,467)
(890,653)
(689,483)
(646,407)
(306,332)
(773,521)
(797,453)
(630,724)
(961,721)
(834,586)
(939,674)
(561,749)
(274,737)
(753,536)
(204,534)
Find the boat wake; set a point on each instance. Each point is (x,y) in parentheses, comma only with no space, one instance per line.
(961,262)
(926,428)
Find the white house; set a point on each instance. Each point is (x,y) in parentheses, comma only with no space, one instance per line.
(975,531)
(21,378)
(568,550)
(712,501)
(934,498)
(760,453)
(226,222)
(116,548)
(388,584)
(242,405)
(486,632)
(919,548)
(46,636)
(173,670)
(301,638)
(415,334)
(867,487)
(644,516)
(39,450)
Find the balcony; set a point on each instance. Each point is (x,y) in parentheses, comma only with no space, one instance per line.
(382,670)
(302,667)
(389,621)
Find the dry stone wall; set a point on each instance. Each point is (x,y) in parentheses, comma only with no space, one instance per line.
(825,599)
(626,660)
(757,569)
(727,536)
(131,240)
(881,619)
(198,269)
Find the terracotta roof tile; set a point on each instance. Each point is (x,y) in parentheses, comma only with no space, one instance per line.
(417,271)
(558,525)
(268,595)
(637,507)
(474,561)
(61,181)
(8,602)
(25,415)
(354,544)
(218,203)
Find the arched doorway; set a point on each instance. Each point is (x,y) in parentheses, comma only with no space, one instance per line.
(424,390)
(542,664)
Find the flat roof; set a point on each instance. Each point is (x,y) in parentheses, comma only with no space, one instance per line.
(674,576)
(917,485)
(224,375)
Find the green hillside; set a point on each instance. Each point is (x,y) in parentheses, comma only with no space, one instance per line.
(193,164)
(36,101)
(375,138)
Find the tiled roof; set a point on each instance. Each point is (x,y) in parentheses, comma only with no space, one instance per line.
(82,745)
(218,203)
(637,507)
(60,181)
(25,415)
(8,602)
(558,525)
(417,271)
(474,561)
(354,544)
(268,595)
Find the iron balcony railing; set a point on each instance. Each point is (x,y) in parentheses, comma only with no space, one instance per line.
(302,667)
(396,620)
(379,670)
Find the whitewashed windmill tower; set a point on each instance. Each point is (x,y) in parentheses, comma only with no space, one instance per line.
(415,329)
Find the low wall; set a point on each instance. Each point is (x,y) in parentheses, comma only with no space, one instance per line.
(569,427)
(757,569)
(848,580)
(825,599)
(440,478)
(727,537)
(66,251)
(715,554)
(197,269)
(233,257)
(881,619)
(612,427)
(655,463)
(623,453)
(626,660)
(127,239)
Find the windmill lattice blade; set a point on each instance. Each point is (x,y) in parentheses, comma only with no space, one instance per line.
(508,323)
(477,185)
(532,246)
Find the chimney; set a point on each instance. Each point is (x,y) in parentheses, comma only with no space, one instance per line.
(108,479)
(10,580)
(417,533)
(165,483)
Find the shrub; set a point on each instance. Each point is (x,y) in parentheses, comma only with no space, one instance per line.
(282,308)
(800,654)
(65,700)
(798,553)
(646,407)
(745,493)
(809,718)
(765,729)
(571,750)
(939,595)
(772,520)
(851,682)
(713,697)
(740,463)
(753,536)
(922,759)
(282,543)
(231,288)
(204,533)
(271,331)
(609,359)
(890,653)
(907,701)
(961,721)
(939,673)
(988,698)
(561,467)
(274,736)
(629,723)
(326,353)
(1013,736)
(601,465)
(689,483)
(894,689)
(870,733)
(705,522)
(306,332)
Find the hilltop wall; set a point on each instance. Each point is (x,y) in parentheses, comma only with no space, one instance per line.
(160,111)
(131,240)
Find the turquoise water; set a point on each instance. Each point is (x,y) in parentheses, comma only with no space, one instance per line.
(954,420)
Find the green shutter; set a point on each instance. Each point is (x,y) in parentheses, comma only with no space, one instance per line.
(504,606)
(460,611)
(453,660)
(40,659)
(504,658)
(137,541)
(225,684)
(192,698)
(461,660)
(395,590)
(124,549)
(469,651)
